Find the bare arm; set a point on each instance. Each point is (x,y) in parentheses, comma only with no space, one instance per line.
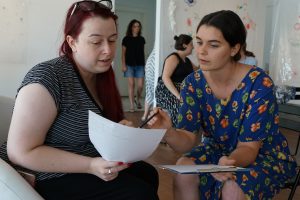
(180,140)
(124,68)
(33,115)
(250,149)
(169,68)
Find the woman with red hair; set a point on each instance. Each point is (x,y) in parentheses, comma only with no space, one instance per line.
(49,127)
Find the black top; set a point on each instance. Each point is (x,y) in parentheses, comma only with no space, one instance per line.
(134,55)
(182,69)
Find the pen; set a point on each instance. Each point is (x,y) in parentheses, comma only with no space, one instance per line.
(147,120)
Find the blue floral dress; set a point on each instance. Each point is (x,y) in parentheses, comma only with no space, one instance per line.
(249,114)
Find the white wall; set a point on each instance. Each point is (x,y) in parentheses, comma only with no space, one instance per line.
(29,38)
(254,10)
(30,33)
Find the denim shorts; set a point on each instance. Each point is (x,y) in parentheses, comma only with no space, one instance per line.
(136,71)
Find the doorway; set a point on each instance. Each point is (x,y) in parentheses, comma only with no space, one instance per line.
(145,12)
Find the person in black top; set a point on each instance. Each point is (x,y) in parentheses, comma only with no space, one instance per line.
(133,61)
(176,67)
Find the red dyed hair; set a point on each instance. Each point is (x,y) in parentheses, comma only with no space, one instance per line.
(108,92)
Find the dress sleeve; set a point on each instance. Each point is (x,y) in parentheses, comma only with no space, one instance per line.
(45,75)
(189,110)
(260,115)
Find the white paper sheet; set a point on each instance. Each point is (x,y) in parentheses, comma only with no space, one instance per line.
(117,142)
(205,168)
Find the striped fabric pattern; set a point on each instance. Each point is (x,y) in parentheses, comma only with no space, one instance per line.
(149,77)
(69,131)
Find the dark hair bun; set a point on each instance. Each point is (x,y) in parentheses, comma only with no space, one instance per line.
(176,37)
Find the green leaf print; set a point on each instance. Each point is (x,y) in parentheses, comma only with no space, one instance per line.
(272,108)
(236,123)
(199,93)
(267,181)
(203,180)
(268,125)
(218,110)
(242,130)
(245,97)
(179,118)
(190,101)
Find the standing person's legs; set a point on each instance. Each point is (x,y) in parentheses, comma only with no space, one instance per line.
(131,93)
(140,85)
(129,74)
(139,75)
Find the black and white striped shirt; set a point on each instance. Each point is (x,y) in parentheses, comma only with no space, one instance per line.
(69,131)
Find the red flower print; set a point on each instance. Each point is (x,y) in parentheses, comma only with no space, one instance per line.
(234,104)
(211,120)
(253,93)
(255,127)
(253,173)
(261,109)
(267,82)
(224,123)
(245,178)
(208,108)
(249,108)
(190,88)
(189,117)
(202,158)
(254,74)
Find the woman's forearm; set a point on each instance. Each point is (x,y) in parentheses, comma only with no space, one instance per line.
(179,140)
(243,156)
(171,87)
(49,159)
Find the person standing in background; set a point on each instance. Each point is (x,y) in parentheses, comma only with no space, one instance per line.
(133,61)
(176,67)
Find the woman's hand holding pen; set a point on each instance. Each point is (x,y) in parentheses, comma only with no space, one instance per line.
(106,170)
(160,120)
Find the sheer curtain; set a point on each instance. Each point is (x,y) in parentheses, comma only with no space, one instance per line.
(285,48)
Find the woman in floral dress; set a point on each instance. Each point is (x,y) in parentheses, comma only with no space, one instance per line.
(235,107)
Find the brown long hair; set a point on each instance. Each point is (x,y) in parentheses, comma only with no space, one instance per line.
(130,25)
(108,92)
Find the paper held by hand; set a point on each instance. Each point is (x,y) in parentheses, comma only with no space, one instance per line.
(117,142)
(205,168)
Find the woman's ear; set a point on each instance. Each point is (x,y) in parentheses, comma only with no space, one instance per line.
(235,49)
(71,41)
